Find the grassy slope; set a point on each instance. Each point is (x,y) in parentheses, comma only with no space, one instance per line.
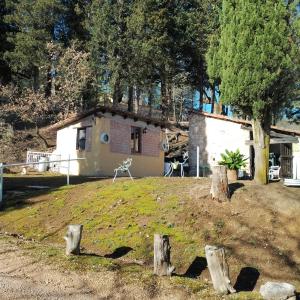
(127,214)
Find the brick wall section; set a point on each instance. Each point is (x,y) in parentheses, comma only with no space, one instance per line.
(120,137)
(151,143)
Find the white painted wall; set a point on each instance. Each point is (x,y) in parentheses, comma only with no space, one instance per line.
(222,135)
(296,160)
(213,136)
(66,145)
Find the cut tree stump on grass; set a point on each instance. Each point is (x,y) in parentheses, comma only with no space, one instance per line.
(218,269)
(162,263)
(73,238)
(219,186)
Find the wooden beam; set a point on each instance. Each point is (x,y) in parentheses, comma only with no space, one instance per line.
(289,140)
(280,135)
(246,127)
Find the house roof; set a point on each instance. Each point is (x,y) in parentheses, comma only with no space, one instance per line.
(247,123)
(104,109)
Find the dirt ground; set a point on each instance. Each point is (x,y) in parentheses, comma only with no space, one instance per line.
(22,276)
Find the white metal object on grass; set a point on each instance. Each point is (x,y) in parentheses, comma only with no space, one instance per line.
(174,165)
(124,167)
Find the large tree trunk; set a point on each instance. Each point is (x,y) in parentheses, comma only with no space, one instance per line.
(213,97)
(218,269)
(219,184)
(36,79)
(162,263)
(117,95)
(150,102)
(73,238)
(130,98)
(201,98)
(164,98)
(261,137)
(136,100)
(169,100)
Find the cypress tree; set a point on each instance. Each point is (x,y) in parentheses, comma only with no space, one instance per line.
(256,55)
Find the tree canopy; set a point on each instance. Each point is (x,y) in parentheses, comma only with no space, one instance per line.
(257,60)
(159,53)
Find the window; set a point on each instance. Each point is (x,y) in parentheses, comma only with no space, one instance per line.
(136,140)
(81,139)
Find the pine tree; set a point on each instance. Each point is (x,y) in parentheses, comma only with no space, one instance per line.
(5,72)
(257,66)
(109,45)
(33,23)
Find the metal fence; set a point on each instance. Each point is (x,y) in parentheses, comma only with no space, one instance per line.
(35,157)
(2,166)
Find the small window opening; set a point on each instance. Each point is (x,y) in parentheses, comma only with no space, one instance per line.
(81,139)
(136,140)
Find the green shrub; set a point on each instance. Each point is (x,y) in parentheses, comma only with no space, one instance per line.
(233,160)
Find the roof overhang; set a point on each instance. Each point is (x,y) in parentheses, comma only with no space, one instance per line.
(100,111)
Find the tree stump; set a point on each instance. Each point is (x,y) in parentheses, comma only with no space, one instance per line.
(162,264)
(219,186)
(73,238)
(218,269)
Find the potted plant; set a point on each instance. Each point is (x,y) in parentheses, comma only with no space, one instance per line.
(233,160)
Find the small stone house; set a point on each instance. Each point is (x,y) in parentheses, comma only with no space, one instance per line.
(105,137)
(214,133)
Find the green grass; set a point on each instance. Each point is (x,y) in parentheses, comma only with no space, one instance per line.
(127,214)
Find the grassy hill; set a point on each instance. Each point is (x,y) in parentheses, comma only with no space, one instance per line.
(259,227)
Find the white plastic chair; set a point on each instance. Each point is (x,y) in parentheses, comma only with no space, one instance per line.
(124,167)
(274,173)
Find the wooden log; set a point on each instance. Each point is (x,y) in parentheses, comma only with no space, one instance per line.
(162,263)
(219,186)
(73,238)
(218,269)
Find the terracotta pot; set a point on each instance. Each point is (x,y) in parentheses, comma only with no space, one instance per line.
(232,175)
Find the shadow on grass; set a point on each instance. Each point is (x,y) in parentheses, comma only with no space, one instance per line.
(18,190)
(246,280)
(195,269)
(234,187)
(119,252)
(90,254)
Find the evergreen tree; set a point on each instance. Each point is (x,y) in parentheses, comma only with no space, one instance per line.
(34,24)
(5,72)
(257,66)
(109,45)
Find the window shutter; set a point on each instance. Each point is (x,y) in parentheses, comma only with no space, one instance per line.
(88,141)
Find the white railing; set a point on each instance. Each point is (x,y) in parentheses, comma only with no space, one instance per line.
(35,157)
